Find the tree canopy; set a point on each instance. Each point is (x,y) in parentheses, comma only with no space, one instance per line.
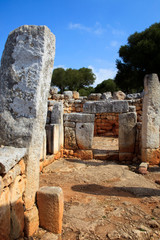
(72,79)
(106,86)
(140,56)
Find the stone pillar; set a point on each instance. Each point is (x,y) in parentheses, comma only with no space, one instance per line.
(25,76)
(57,118)
(127,135)
(151,120)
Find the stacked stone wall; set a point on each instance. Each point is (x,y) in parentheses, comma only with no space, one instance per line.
(106,124)
(12,189)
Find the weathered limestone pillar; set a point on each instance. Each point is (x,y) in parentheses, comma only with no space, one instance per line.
(127,135)
(25,76)
(151,120)
(54,130)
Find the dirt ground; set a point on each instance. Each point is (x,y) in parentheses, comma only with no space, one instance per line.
(106,200)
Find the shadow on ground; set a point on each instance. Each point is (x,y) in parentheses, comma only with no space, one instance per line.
(90,162)
(96,189)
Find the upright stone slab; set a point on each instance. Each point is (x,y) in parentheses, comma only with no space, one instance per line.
(84,135)
(151,120)
(25,76)
(57,118)
(127,135)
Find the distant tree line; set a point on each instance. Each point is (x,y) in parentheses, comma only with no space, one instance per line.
(140,56)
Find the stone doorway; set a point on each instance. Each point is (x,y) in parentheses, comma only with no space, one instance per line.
(105,141)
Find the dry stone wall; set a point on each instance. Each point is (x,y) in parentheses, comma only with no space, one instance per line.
(12,189)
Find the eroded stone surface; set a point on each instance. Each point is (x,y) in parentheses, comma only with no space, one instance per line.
(50,205)
(70,138)
(106,106)
(24,82)
(79,117)
(84,135)
(9,157)
(127,132)
(150,117)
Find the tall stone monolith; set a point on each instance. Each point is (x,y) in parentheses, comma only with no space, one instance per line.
(151,120)
(25,76)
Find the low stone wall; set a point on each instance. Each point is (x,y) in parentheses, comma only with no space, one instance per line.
(106,124)
(71,105)
(78,132)
(13,222)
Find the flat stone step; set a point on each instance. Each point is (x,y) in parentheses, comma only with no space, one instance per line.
(106,155)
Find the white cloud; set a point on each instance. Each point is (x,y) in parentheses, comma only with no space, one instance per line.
(96,29)
(102,74)
(79,26)
(114,43)
(115,31)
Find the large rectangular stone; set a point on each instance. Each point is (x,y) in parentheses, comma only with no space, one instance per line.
(79,117)
(106,107)
(84,135)
(127,132)
(50,205)
(9,157)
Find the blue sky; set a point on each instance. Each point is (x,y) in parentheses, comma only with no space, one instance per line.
(88,33)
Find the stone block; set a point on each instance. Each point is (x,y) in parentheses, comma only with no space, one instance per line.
(95,96)
(17,219)
(151,156)
(5,216)
(106,96)
(57,113)
(17,189)
(9,157)
(69,124)
(11,175)
(53,90)
(68,94)
(70,138)
(79,117)
(53,138)
(119,95)
(84,135)
(132,109)
(75,95)
(127,132)
(50,205)
(106,107)
(31,220)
